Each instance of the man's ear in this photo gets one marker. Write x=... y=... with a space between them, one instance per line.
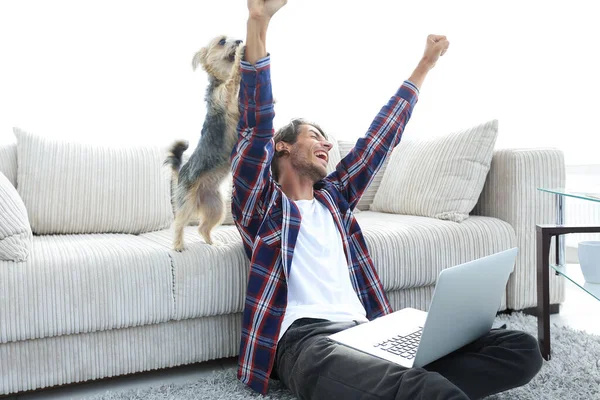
x=282 y=146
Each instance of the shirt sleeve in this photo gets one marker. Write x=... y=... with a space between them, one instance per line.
x=355 y=172
x=251 y=156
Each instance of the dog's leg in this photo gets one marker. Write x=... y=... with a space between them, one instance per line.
x=233 y=83
x=232 y=88
x=182 y=217
x=212 y=213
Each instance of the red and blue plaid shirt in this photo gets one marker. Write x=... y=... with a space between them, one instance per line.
x=269 y=222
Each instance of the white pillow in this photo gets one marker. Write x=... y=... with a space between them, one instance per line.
x=440 y=177
x=84 y=188
x=15 y=233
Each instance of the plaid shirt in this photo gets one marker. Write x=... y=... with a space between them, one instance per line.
x=269 y=222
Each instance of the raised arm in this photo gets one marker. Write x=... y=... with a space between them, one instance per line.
x=260 y=13
x=355 y=172
x=253 y=152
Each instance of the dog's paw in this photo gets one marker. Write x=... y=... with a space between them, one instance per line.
x=239 y=55
x=179 y=247
x=212 y=242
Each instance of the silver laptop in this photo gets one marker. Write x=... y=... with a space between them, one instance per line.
x=463 y=308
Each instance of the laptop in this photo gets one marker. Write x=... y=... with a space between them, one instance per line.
x=465 y=301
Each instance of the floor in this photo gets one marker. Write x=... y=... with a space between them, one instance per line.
x=575 y=312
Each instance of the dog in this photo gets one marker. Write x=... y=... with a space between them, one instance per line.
x=196 y=184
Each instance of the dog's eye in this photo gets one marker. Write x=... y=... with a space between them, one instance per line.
x=222 y=42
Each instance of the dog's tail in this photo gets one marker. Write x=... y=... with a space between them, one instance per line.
x=175 y=157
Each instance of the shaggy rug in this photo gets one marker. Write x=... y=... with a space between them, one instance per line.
x=573 y=373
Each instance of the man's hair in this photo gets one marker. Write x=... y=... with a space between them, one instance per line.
x=289 y=134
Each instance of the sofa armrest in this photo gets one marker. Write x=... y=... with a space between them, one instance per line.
x=510 y=194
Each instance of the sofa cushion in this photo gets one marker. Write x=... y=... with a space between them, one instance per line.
x=83 y=188
x=8 y=161
x=440 y=177
x=208 y=280
x=84 y=283
x=15 y=232
x=410 y=251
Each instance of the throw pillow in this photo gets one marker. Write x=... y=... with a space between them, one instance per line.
x=85 y=188
x=15 y=233
x=440 y=177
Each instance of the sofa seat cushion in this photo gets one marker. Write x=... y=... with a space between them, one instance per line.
x=410 y=251
x=208 y=280
x=84 y=283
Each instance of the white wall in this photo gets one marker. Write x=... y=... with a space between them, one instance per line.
x=114 y=71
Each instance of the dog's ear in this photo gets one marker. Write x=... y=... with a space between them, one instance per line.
x=199 y=57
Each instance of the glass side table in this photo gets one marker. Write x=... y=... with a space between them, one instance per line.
x=545 y=233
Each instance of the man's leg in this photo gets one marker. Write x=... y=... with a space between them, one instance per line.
x=501 y=360
x=314 y=367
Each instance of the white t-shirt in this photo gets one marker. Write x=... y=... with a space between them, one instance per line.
x=319 y=283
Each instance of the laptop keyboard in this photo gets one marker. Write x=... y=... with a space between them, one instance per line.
x=403 y=346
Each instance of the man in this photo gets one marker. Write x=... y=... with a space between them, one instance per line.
x=310 y=271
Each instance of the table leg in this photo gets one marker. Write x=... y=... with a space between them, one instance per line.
x=543 y=291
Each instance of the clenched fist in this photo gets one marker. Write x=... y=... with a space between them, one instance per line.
x=436 y=46
x=264 y=9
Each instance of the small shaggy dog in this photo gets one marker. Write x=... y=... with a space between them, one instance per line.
x=196 y=184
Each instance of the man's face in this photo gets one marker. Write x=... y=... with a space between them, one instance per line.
x=310 y=154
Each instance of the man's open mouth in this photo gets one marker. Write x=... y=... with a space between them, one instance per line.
x=322 y=155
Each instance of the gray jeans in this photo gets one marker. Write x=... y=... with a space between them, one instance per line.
x=313 y=366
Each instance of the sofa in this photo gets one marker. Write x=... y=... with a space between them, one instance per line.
x=90 y=287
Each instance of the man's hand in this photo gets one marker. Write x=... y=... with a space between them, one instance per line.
x=264 y=9
x=259 y=15
x=436 y=46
